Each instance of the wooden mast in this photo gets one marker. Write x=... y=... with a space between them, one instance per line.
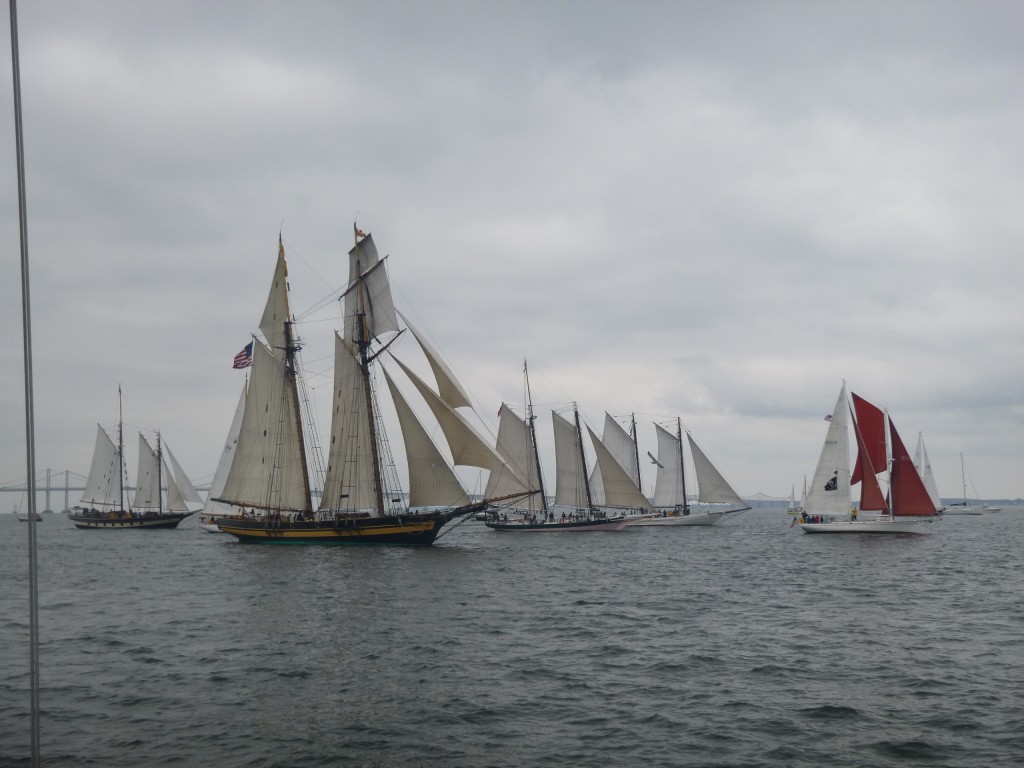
x=291 y=379
x=636 y=449
x=363 y=341
x=120 y=448
x=533 y=437
x=583 y=460
x=682 y=466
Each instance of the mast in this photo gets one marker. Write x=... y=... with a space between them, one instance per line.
x=533 y=437
x=291 y=379
x=120 y=449
x=363 y=341
x=159 y=476
x=636 y=449
x=583 y=460
x=682 y=466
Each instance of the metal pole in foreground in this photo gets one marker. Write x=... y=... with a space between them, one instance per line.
x=30 y=442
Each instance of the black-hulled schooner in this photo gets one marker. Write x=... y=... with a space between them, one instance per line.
x=164 y=496
x=362 y=499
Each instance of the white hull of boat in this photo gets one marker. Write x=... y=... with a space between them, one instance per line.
x=881 y=525
x=613 y=524
x=209 y=523
x=701 y=517
x=962 y=511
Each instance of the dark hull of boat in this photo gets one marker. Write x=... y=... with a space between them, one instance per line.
x=119 y=523
x=416 y=530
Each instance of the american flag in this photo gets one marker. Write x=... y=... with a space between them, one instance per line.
x=244 y=358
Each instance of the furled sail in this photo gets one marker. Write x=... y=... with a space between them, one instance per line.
x=711 y=486
x=619 y=488
x=103 y=487
x=829 y=492
x=668 y=482
x=267 y=471
x=350 y=483
x=432 y=483
x=570 y=473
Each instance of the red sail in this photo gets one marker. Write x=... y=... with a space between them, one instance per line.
x=871 y=421
x=909 y=496
x=871 y=498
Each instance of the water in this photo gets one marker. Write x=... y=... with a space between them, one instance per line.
x=747 y=644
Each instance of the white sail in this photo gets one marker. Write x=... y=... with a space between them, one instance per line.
x=515 y=446
x=432 y=483
x=619 y=488
x=103 y=487
x=467 y=446
x=621 y=446
x=372 y=302
x=147 y=484
x=275 y=313
x=448 y=387
x=829 y=492
x=924 y=468
x=267 y=470
x=668 y=482
x=182 y=485
x=350 y=483
x=712 y=488
x=570 y=473
x=227 y=455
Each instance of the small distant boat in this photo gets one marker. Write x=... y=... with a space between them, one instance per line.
x=24 y=516
x=103 y=502
x=965 y=507
x=829 y=505
x=718 y=498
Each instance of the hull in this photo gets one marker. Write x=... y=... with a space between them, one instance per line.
x=962 y=511
x=704 y=517
x=208 y=523
x=410 y=530
x=883 y=525
x=601 y=524
x=124 y=522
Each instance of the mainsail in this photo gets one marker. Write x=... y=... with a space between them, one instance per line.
x=570 y=469
x=668 y=482
x=924 y=468
x=909 y=496
x=620 y=490
x=103 y=486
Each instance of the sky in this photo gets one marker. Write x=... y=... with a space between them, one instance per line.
x=716 y=211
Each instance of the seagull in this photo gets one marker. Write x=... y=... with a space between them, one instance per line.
x=655 y=461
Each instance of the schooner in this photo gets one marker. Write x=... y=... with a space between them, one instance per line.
x=362 y=500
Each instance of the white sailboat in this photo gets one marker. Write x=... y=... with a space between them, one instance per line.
x=574 y=508
x=717 y=497
x=924 y=469
x=829 y=504
x=363 y=499
x=965 y=507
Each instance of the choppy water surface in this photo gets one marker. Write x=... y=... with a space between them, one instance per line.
x=748 y=644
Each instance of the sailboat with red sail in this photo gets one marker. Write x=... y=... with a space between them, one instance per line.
x=829 y=507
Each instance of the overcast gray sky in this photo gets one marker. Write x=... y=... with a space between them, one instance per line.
x=719 y=210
